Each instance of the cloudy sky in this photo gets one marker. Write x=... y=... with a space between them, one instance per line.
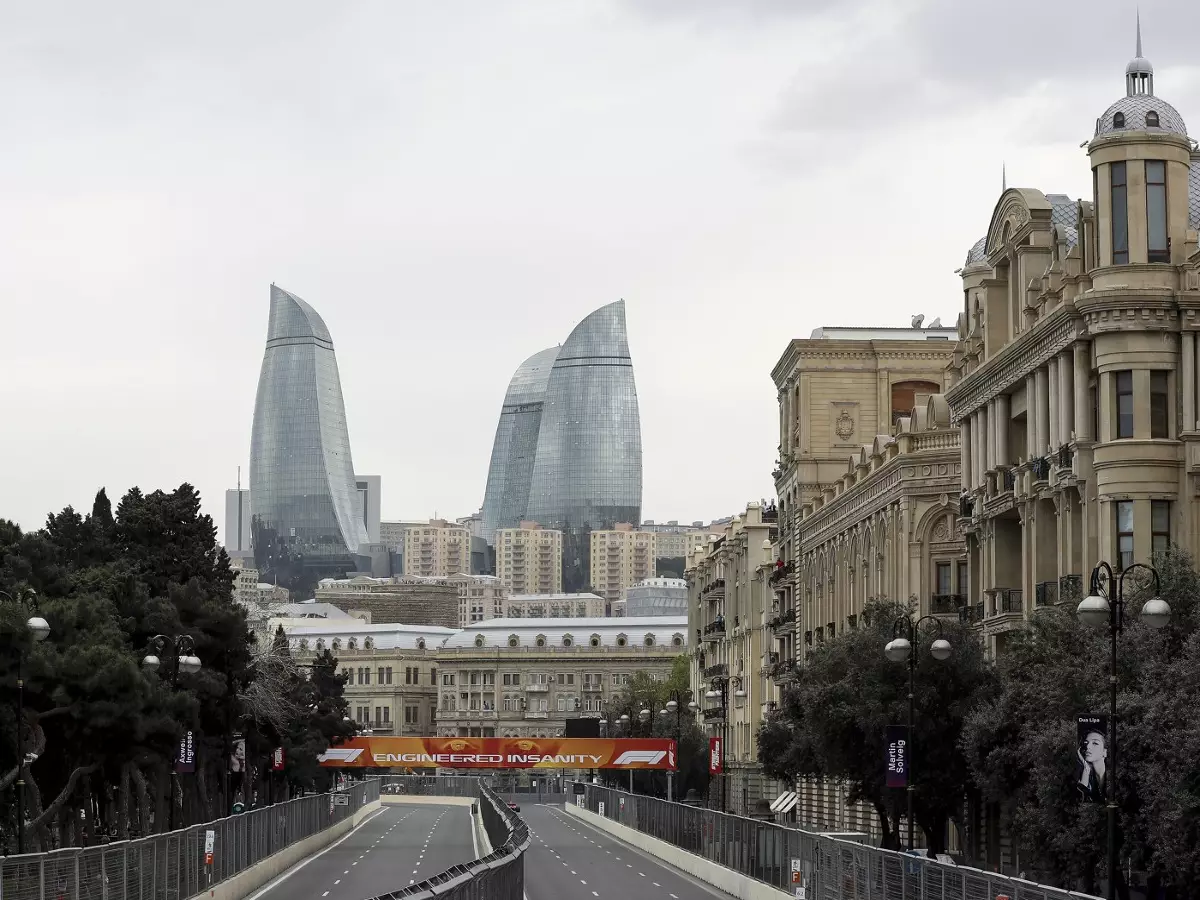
x=454 y=185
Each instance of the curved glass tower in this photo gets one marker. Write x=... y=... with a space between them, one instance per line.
x=303 y=494
x=587 y=473
x=506 y=497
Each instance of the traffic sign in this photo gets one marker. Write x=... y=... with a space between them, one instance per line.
x=341 y=799
x=210 y=843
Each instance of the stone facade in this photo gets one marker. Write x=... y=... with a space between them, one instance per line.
x=411 y=601
x=729 y=613
x=1074 y=377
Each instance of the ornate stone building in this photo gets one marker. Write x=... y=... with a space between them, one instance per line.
x=729 y=616
x=1074 y=375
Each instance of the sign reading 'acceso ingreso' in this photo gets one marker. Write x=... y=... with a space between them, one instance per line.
x=503 y=753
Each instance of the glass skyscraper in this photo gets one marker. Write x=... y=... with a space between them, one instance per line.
x=587 y=472
x=303 y=493
x=506 y=497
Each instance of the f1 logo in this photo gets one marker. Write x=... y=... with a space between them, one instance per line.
x=634 y=757
x=345 y=755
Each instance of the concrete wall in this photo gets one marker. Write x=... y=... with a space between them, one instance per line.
x=727 y=880
x=247 y=882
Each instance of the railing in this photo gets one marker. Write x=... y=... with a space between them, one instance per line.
x=782 y=572
x=172 y=865
x=1066 y=456
x=1008 y=601
x=1008 y=481
x=498 y=876
x=1040 y=468
x=946 y=604
x=830 y=869
x=1070 y=588
x=715 y=671
x=714 y=631
x=1045 y=593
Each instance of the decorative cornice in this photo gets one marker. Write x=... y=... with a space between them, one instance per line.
x=1034 y=348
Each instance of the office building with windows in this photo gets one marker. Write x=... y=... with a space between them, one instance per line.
x=526 y=677
x=303 y=492
x=529 y=559
x=621 y=556
x=1074 y=379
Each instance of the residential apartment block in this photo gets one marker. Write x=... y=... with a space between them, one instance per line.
x=621 y=556
x=480 y=597
x=529 y=559
x=436 y=549
x=555 y=606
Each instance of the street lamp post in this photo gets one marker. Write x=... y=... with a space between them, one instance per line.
x=720 y=691
x=1097 y=610
x=675 y=705
x=900 y=649
x=183 y=661
x=39 y=630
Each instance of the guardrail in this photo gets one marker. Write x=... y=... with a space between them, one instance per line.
x=174 y=865
x=498 y=876
x=827 y=867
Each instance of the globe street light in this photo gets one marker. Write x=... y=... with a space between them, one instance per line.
x=898 y=650
x=1097 y=610
x=39 y=630
x=182 y=661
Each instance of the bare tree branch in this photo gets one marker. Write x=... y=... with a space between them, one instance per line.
x=62 y=797
x=269 y=695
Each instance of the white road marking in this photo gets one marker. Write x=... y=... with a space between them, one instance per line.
x=339 y=881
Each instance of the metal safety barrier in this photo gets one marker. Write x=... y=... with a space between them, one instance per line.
x=826 y=868
x=178 y=864
x=498 y=876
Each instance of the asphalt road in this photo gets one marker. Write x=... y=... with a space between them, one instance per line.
x=569 y=860
x=397 y=847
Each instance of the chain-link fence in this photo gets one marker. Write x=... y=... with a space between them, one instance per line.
x=828 y=868
x=181 y=863
x=498 y=876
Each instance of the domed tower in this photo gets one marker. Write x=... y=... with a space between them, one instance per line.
x=1140 y=159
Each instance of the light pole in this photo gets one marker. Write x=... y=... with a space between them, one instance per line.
x=624 y=724
x=1096 y=610
x=900 y=649
x=182 y=661
x=675 y=705
x=39 y=630
x=720 y=691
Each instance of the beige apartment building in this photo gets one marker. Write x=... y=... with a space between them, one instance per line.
x=526 y=677
x=436 y=549
x=729 y=618
x=391 y=671
x=480 y=597
x=1074 y=378
x=412 y=601
x=555 y=606
x=529 y=559
x=620 y=557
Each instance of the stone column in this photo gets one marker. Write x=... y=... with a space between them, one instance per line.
x=1083 y=412
x=1053 y=437
x=979 y=447
x=989 y=426
x=1030 y=417
x=1042 y=409
x=1066 y=398
x=1188 y=341
x=1000 y=406
x=964 y=443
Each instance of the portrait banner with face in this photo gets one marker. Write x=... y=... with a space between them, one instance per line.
x=1091 y=754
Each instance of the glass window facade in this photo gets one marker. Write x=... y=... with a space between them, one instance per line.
x=303 y=493
x=587 y=472
x=506 y=497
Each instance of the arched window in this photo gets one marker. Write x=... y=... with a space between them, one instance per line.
x=594 y=640
x=541 y=640
x=648 y=640
x=514 y=641
x=479 y=640
x=1152 y=119
x=568 y=640
x=677 y=640
x=622 y=640
x=352 y=643
x=368 y=643
x=1119 y=120
x=337 y=643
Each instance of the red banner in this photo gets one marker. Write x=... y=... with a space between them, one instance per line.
x=277 y=760
x=502 y=753
x=716 y=756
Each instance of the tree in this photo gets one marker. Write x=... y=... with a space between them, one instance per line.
x=832 y=722
x=643 y=692
x=1021 y=745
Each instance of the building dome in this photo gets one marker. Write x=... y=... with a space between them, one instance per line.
x=977 y=253
x=1139 y=109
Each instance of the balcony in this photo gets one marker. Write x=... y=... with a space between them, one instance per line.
x=784 y=670
x=788 y=615
x=715 y=631
x=716 y=714
x=1008 y=481
x=1040 y=468
x=714 y=590
x=1006 y=610
x=781 y=572
x=1045 y=593
x=590 y=687
x=537 y=688
x=947 y=604
x=1066 y=459
x=534 y=714
x=715 y=671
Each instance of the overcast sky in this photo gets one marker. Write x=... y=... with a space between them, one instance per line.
x=454 y=185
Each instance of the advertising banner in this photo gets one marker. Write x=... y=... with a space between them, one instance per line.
x=897 y=756
x=716 y=756
x=277 y=760
x=185 y=759
x=1091 y=750
x=502 y=753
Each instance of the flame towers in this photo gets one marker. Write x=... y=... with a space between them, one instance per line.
x=586 y=472
x=303 y=494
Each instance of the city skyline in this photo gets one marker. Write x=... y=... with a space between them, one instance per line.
x=728 y=198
